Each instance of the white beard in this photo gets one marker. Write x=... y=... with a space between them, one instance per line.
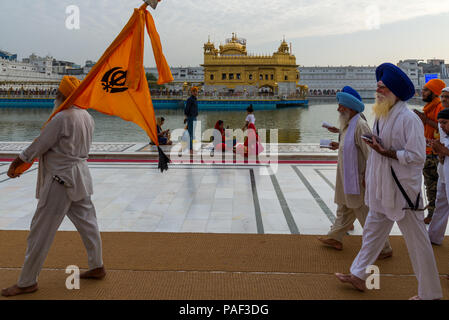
x=383 y=105
x=56 y=104
x=343 y=119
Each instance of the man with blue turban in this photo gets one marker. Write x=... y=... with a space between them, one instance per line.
x=352 y=156
x=393 y=185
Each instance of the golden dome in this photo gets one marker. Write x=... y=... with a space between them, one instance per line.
x=284 y=48
x=233 y=46
x=209 y=48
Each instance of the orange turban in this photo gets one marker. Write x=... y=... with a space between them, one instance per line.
x=68 y=85
x=194 y=89
x=436 y=86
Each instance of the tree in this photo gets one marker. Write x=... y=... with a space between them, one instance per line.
x=152 y=81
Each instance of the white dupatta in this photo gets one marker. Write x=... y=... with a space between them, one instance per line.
x=385 y=185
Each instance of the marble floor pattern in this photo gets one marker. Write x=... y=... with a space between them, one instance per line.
x=135 y=197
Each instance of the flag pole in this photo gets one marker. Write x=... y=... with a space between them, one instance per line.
x=152 y=3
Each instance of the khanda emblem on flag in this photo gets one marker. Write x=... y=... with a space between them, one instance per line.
x=114 y=80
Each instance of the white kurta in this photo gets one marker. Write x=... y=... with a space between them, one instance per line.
x=349 y=200
x=62 y=149
x=437 y=227
x=403 y=132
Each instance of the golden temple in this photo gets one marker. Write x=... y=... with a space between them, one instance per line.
x=231 y=69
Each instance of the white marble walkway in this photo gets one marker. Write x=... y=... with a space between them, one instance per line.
x=136 y=197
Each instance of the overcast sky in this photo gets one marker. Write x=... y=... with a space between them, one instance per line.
x=323 y=32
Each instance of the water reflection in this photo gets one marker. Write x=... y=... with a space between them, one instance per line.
x=294 y=124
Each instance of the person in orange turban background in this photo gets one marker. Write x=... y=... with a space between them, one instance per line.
x=431 y=95
x=64 y=187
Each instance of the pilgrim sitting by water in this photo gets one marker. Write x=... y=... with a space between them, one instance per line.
x=220 y=136
x=163 y=136
x=252 y=145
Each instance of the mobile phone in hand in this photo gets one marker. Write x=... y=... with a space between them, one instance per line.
x=368 y=137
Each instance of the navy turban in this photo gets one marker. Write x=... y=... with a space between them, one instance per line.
x=444 y=114
x=352 y=91
x=350 y=101
x=396 y=80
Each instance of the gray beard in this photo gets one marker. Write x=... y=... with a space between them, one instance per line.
x=56 y=105
x=343 y=119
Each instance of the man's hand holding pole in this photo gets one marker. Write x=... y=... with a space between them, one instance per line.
x=12 y=171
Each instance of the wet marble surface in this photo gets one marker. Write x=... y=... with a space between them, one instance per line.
x=136 y=197
x=283 y=148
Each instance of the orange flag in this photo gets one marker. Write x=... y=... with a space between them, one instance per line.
x=117 y=84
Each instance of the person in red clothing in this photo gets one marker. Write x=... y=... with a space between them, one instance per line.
x=430 y=94
x=220 y=143
x=252 y=145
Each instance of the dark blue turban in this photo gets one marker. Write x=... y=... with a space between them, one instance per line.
x=396 y=80
x=444 y=114
x=352 y=91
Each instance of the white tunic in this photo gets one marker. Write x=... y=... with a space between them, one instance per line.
x=403 y=132
x=63 y=149
x=251 y=118
x=444 y=139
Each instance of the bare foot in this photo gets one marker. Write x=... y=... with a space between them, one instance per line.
x=419 y=298
x=96 y=274
x=352 y=228
x=332 y=243
x=385 y=255
x=357 y=283
x=15 y=290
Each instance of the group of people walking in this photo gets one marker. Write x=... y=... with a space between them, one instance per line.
x=380 y=171
x=379 y=178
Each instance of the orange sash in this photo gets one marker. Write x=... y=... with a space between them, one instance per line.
x=431 y=111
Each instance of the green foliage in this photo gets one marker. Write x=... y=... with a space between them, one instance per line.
x=152 y=81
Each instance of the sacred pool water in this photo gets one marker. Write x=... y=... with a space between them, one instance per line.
x=295 y=125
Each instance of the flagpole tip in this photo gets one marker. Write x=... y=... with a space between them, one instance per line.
x=152 y=3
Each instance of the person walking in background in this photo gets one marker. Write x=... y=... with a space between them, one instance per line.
x=445 y=98
x=430 y=94
x=437 y=227
x=191 y=113
x=350 y=185
x=250 y=118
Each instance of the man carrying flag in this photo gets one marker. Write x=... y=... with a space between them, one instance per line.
x=64 y=187
x=117 y=86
